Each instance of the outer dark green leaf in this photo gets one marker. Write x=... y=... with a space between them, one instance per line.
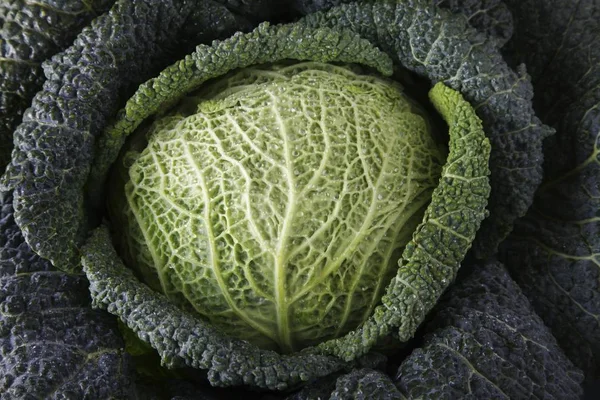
x=84 y=87
x=320 y=389
x=491 y=17
x=52 y=344
x=31 y=32
x=365 y=381
x=554 y=253
x=442 y=47
x=359 y=384
x=487 y=343
x=365 y=384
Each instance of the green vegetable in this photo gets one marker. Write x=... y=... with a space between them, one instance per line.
x=274 y=201
x=202 y=303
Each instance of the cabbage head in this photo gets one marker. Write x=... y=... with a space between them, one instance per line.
x=243 y=193
x=277 y=204
x=280 y=188
x=275 y=201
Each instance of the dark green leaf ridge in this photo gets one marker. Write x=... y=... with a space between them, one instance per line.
x=30 y=33
x=431 y=259
x=443 y=47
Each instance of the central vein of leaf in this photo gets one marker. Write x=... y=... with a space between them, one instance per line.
x=281 y=298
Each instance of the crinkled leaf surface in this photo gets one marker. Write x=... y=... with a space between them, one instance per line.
x=366 y=381
x=486 y=342
x=31 y=32
x=38 y=166
x=359 y=384
x=491 y=17
x=365 y=384
x=554 y=253
x=52 y=344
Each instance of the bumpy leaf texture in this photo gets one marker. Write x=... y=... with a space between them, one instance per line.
x=491 y=17
x=554 y=253
x=365 y=384
x=55 y=100
x=30 y=33
x=487 y=342
x=359 y=384
x=85 y=85
x=52 y=344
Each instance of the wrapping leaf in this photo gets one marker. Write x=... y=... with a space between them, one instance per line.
x=52 y=344
x=487 y=343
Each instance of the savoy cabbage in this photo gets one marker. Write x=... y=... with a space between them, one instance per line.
x=329 y=187
x=276 y=210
